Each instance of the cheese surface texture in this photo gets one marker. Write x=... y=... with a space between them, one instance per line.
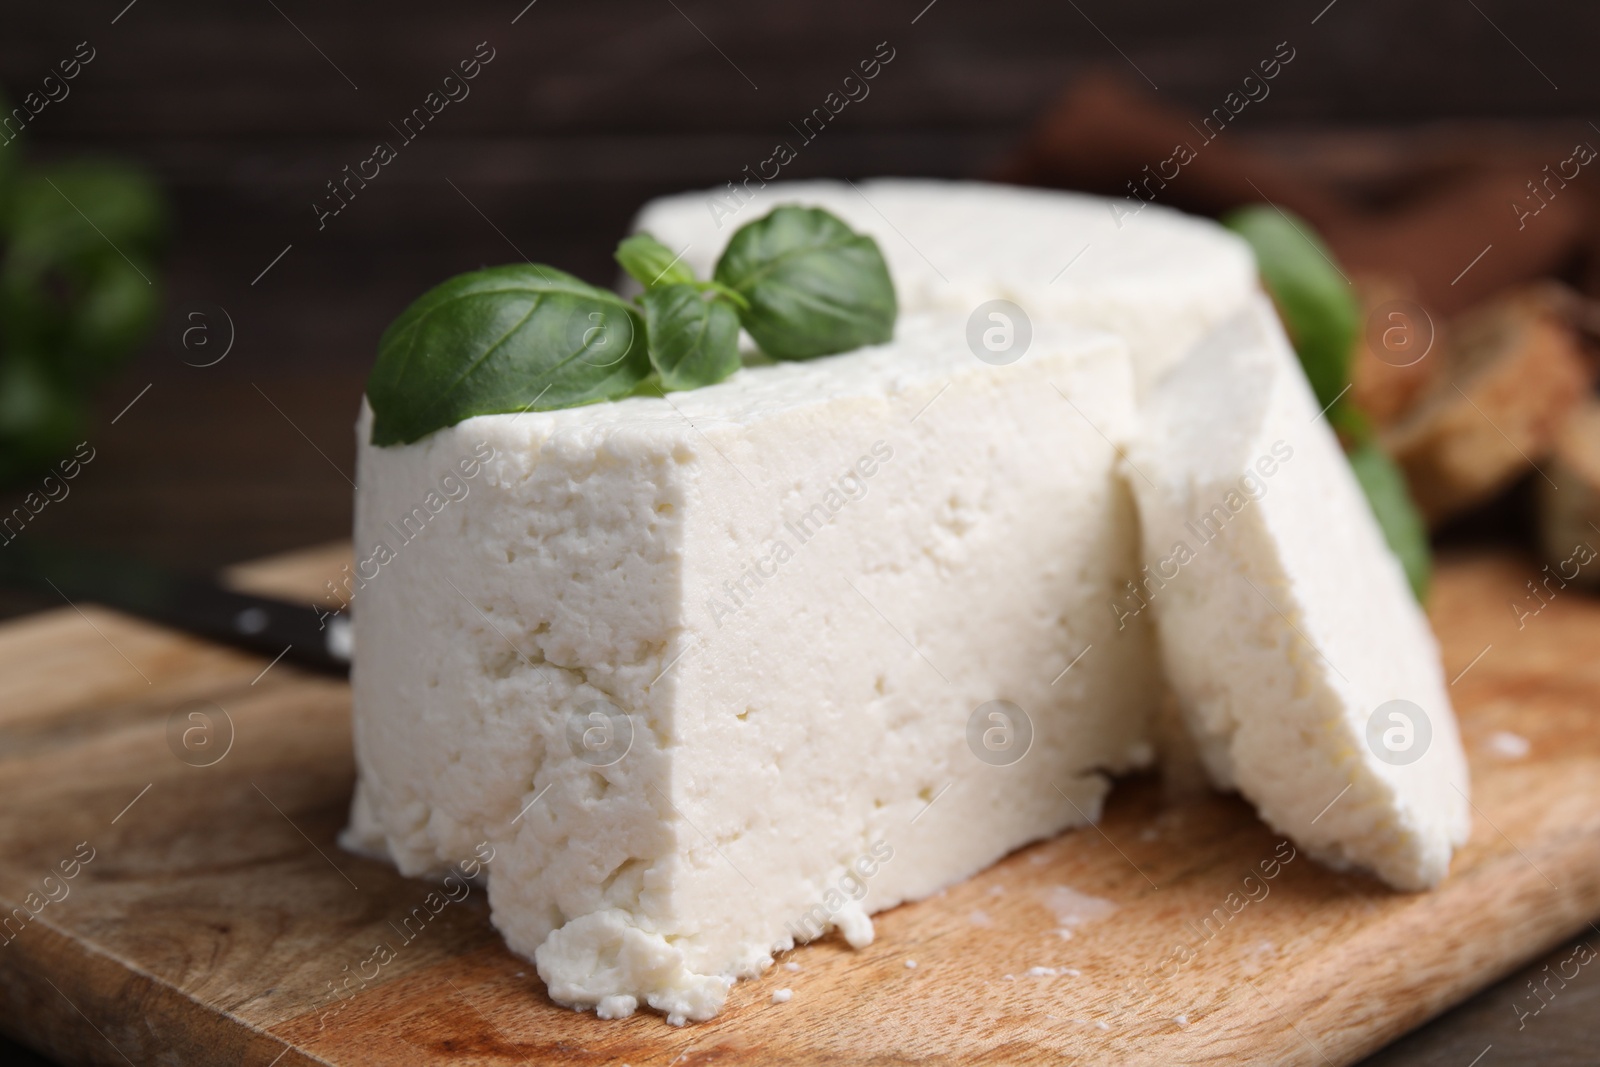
x=717 y=672
x=1307 y=673
x=1155 y=277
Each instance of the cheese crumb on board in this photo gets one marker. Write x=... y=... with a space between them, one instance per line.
x=1308 y=675
x=1073 y=908
x=708 y=672
x=1507 y=745
x=782 y=996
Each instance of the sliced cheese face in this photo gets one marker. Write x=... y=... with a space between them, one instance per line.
x=715 y=673
x=1306 y=671
x=1154 y=277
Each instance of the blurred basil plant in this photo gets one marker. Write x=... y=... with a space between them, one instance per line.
x=79 y=294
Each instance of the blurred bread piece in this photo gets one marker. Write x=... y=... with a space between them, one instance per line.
x=1461 y=242
x=1397 y=354
x=1569 y=511
x=1515 y=369
x=1453 y=212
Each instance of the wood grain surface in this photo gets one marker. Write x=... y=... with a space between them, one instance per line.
x=216 y=910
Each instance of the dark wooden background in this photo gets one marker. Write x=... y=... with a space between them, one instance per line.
x=245 y=109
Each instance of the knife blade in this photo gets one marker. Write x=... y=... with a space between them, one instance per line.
x=196 y=604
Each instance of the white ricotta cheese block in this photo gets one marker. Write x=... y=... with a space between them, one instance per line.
x=1155 y=277
x=715 y=673
x=1307 y=672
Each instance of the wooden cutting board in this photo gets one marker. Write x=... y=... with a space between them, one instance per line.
x=217 y=912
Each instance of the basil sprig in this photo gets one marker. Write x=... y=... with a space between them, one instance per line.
x=802 y=283
x=692 y=326
x=526 y=337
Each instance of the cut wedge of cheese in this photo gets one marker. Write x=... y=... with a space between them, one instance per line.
x=1307 y=673
x=1155 y=277
x=714 y=673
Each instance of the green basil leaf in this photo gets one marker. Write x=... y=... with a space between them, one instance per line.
x=1351 y=424
x=1397 y=515
x=694 y=341
x=815 y=286
x=1318 y=307
x=522 y=337
x=651 y=263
